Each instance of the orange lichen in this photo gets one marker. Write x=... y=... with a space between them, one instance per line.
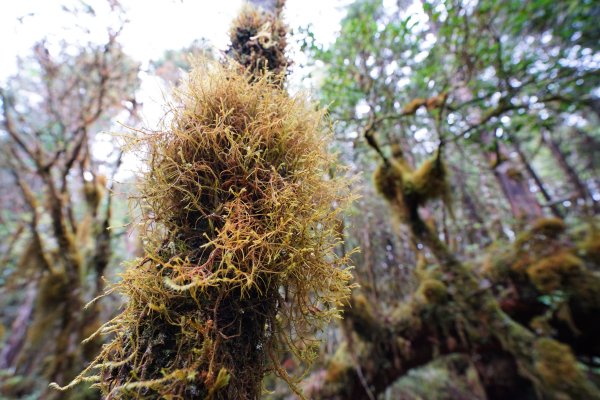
x=413 y=106
x=436 y=101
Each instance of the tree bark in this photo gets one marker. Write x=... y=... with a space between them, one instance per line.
x=569 y=171
x=536 y=178
x=18 y=329
x=523 y=203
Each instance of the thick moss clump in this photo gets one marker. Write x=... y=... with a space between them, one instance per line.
x=240 y=263
x=407 y=189
x=389 y=179
x=550 y=227
x=258 y=41
x=558 y=367
x=590 y=247
x=432 y=291
x=556 y=271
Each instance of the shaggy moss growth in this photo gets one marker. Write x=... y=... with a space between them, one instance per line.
x=53 y=293
x=556 y=271
x=590 y=247
x=258 y=41
x=542 y=240
x=549 y=227
x=339 y=364
x=407 y=189
x=430 y=181
x=362 y=317
x=432 y=291
x=389 y=179
x=558 y=367
x=240 y=264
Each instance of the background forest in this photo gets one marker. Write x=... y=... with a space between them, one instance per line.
x=466 y=133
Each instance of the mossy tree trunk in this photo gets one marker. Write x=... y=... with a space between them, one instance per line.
x=458 y=313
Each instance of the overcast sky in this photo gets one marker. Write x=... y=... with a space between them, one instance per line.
x=154 y=26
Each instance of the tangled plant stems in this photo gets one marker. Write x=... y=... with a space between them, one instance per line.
x=240 y=264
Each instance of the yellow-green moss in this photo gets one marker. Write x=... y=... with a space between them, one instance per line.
x=407 y=189
x=362 y=317
x=93 y=192
x=407 y=315
x=556 y=364
x=432 y=291
x=389 y=179
x=429 y=180
x=53 y=290
x=541 y=325
x=555 y=271
x=498 y=262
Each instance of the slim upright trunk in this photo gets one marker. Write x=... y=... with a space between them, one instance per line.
x=569 y=171
x=536 y=178
x=523 y=204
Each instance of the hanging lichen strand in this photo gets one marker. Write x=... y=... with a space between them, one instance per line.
x=241 y=232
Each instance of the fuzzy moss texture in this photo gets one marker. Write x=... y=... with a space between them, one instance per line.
x=240 y=263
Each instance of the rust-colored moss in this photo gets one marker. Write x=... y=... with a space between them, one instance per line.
x=556 y=364
x=590 y=247
x=258 y=41
x=436 y=101
x=550 y=227
x=237 y=201
x=556 y=271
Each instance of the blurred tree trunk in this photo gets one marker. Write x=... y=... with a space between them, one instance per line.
x=536 y=178
x=18 y=329
x=70 y=208
x=523 y=204
x=580 y=188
